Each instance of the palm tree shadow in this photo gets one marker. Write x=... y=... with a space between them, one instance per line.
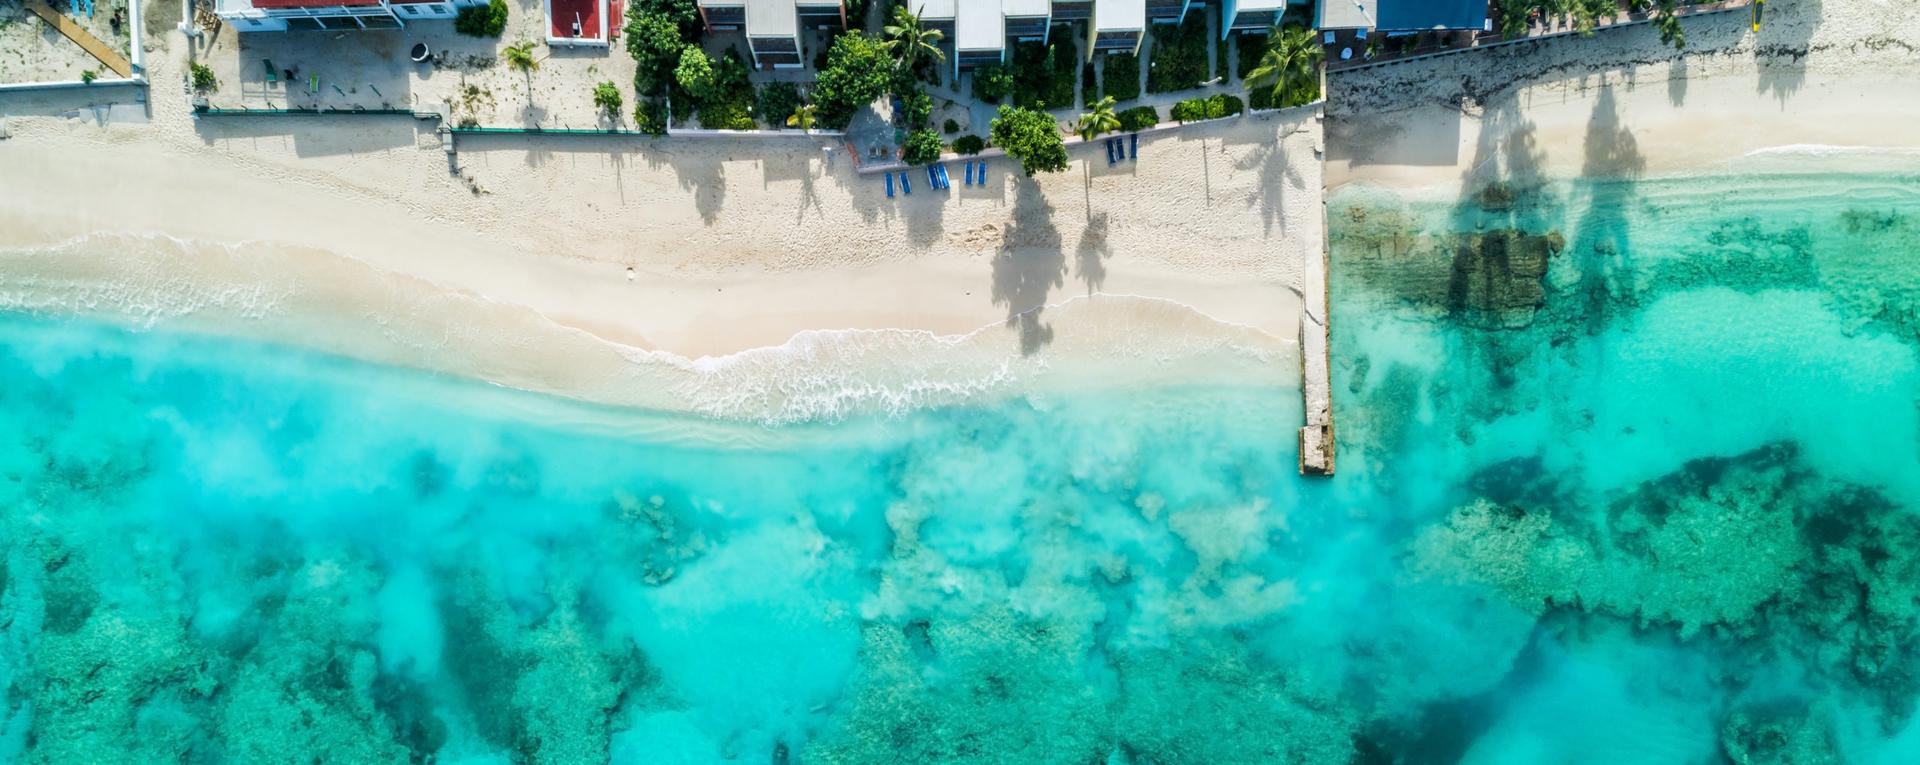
x=1090 y=258
x=1029 y=266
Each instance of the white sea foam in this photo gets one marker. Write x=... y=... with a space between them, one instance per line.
x=339 y=305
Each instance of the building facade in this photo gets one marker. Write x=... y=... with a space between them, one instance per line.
x=333 y=15
x=773 y=27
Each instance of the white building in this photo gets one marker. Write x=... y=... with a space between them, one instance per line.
x=773 y=27
x=1118 y=27
x=1252 y=15
x=321 y=15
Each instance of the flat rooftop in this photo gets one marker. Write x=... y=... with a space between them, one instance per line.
x=772 y=18
x=1117 y=15
x=561 y=14
x=1026 y=7
x=980 y=26
x=1348 y=14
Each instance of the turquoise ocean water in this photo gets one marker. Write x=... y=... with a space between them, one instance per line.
x=1629 y=474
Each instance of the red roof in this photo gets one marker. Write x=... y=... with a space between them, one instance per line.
x=310 y=3
x=562 y=13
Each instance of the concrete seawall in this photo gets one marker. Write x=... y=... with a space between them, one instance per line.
x=1316 y=386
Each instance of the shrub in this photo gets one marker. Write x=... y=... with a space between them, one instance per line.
x=203 y=79
x=969 y=144
x=87 y=77
x=858 y=70
x=1122 y=74
x=1138 y=118
x=1210 y=108
x=606 y=96
x=777 y=102
x=950 y=126
x=916 y=108
x=1179 y=58
x=1251 y=48
x=1032 y=137
x=650 y=116
x=482 y=21
x=1089 y=86
x=727 y=115
x=992 y=82
x=1224 y=105
x=922 y=147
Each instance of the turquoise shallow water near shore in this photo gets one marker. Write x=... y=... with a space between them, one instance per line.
x=1628 y=474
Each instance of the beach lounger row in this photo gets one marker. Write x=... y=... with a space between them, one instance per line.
x=938 y=178
x=1117 y=148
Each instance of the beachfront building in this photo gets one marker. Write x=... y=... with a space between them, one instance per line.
x=773 y=27
x=979 y=36
x=1334 y=15
x=1118 y=27
x=1252 y=15
x=580 y=23
x=1072 y=10
x=332 y=15
x=1169 y=11
x=1027 y=19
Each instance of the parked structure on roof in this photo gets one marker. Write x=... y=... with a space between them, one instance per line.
x=333 y=15
x=773 y=27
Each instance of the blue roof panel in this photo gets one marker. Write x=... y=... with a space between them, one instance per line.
x=1401 y=15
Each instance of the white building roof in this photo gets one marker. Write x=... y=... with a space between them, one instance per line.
x=1026 y=7
x=1117 y=15
x=1245 y=6
x=979 y=27
x=936 y=10
x=1348 y=14
x=772 y=18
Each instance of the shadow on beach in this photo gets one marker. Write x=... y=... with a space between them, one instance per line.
x=1029 y=266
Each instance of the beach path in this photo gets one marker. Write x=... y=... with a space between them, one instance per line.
x=93 y=45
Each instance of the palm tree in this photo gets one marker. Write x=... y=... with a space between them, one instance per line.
x=907 y=39
x=1100 y=120
x=803 y=117
x=1290 y=67
x=520 y=58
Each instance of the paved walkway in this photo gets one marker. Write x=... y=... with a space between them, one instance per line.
x=82 y=37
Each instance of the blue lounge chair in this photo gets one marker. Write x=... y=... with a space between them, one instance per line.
x=933 y=178
x=969 y=172
x=1135 y=139
x=1110 y=159
x=889 y=178
x=906 y=184
x=981 y=177
x=946 y=178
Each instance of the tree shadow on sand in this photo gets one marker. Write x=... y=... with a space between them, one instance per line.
x=1029 y=266
x=1090 y=257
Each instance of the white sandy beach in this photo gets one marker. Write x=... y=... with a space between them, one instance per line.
x=352 y=235
x=1833 y=73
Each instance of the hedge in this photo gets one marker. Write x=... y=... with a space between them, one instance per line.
x=482 y=21
x=1122 y=74
x=1138 y=118
x=1209 y=108
x=969 y=144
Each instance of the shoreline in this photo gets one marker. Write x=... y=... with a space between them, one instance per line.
x=1622 y=104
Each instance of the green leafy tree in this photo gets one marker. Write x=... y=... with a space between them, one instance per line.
x=1290 y=69
x=922 y=147
x=606 y=96
x=969 y=144
x=489 y=20
x=992 y=82
x=650 y=116
x=88 y=76
x=695 y=74
x=907 y=39
x=1100 y=120
x=654 y=40
x=858 y=71
x=1032 y=137
x=1666 y=19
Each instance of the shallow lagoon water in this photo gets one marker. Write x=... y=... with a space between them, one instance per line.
x=1628 y=474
